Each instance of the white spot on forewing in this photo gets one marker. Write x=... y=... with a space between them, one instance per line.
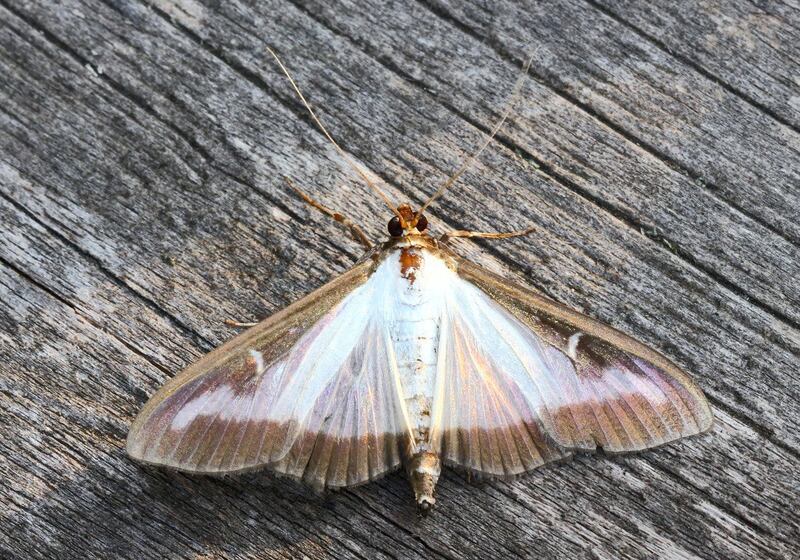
x=572 y=345
x=258 y=357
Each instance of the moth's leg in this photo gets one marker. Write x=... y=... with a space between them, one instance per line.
x=487 y=235
x=238 y=325
x=357 y=233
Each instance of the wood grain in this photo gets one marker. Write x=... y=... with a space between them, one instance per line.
x=142 y=150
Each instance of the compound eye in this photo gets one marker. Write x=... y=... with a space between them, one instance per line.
x=395 y=227
x=422 y=223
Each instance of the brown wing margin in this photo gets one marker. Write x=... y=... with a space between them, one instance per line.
x=213 y=446
x=603 y=389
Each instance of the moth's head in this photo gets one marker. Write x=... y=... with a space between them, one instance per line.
x=407 y=223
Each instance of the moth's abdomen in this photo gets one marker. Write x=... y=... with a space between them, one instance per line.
x=423 y=471
x=416 y=340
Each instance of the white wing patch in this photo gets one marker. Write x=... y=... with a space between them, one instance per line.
x=258 y=358
x=572 y=345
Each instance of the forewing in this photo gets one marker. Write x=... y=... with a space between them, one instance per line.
x=523 y=381
x=357 y=428
x=300 y=393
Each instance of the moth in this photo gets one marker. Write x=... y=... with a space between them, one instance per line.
x=415 y=358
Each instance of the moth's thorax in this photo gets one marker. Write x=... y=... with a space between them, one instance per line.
x=420 y=244
x=415 y=265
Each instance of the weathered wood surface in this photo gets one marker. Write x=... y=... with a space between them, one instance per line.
x=142 y=146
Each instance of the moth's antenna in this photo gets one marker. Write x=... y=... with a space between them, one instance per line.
x=467 y=162
x=353 y=165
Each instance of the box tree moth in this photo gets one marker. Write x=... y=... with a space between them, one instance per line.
x=415 y=358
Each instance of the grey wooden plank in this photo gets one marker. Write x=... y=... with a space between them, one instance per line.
x=632 y=85
x=393 y=118
x=74 y=491
x=643 y=196
x=88 y=480
x=561 y=266
x=145 y=192
x=752 y=48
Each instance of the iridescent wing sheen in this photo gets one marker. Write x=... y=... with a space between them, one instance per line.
x=305 y=393
x=523 y=381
